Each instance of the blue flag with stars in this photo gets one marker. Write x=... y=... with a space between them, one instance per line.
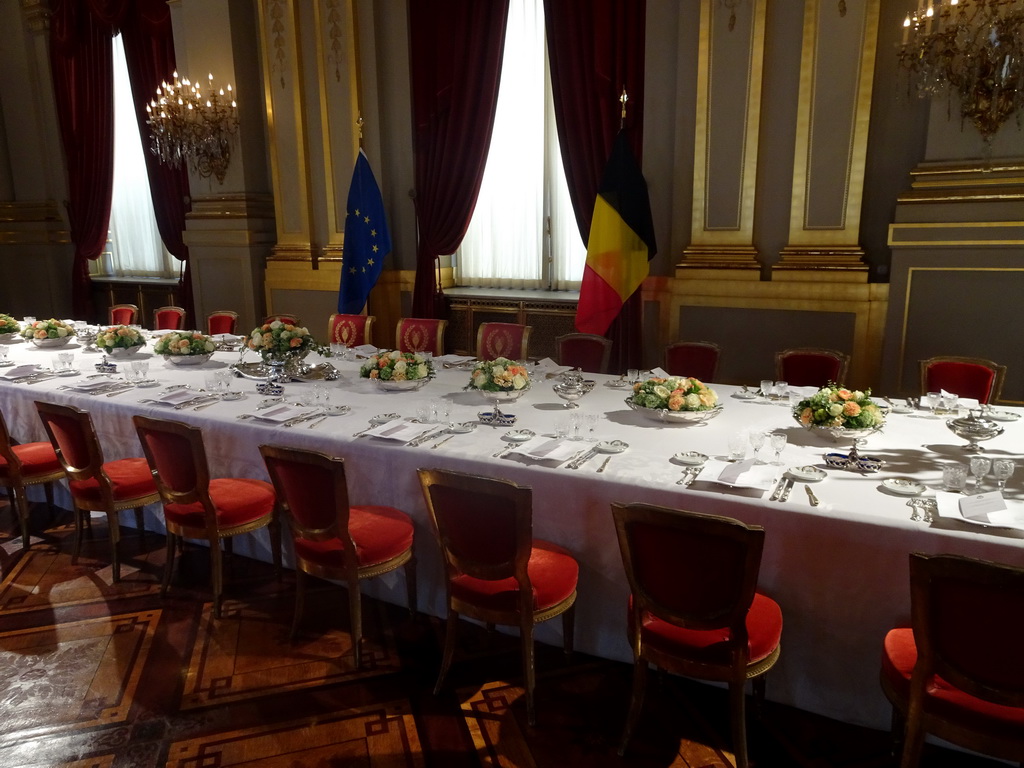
x=367 y=241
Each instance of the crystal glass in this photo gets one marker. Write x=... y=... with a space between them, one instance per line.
x=633 y=375
x=932 y=401
x=979 y=468
x=3 y=353
x=757 y=442
x=1002 y=470
x=954 y=478
x=738 y=446
x=766 y=388
x=780 y=391
x=778 y=442
x=141 y=368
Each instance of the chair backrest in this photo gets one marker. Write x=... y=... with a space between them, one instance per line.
x=123 y=314
x=586 y=351
x=414 y=334
x=811 y=367
x=494 y=340
x=284 y=318
x=221 y=321
x=177 y=457
x=694 y=570
x=73 y=437
x=973 y=377
x=484 y=525
x=350 y=330
x=312 y=493
x=697 y=359
x=966 y=615
x=168 y=318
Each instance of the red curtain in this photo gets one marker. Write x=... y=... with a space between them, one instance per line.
x=83 y=86
x=80 y=33
x=596 y=47
x=455 y=48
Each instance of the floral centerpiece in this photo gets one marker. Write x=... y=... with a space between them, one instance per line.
x=48 y=333
x=499 y=375
x=680 y=399
x=184 y=343
x=8 y=324
x=396 y=366
x=278 y=339
x=119 y=340
x=835 y=406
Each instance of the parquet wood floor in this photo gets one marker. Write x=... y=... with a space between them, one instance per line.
x=98 y=675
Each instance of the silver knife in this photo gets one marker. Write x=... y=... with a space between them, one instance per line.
x=441 y=442
x=581 y=460
x=693 y=475
x=778 y=489
x=424 y=437
x=788 y=488
x=811 y=497
x=604 y=464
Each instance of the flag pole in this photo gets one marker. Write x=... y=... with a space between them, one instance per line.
x=359 y=125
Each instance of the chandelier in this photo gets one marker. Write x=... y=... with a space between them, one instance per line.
x=972 y=50
x=186 y=125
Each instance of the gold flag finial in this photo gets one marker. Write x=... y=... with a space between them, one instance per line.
x=359 y=124
x=623 y=98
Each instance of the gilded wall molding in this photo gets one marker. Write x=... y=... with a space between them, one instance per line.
x=37 y=15
x=32 y=223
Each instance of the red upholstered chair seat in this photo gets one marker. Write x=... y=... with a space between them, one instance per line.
x=696 y=359
x=553 y=574
x=223 y=321
x=168 y=318
x=808 y=367
x=899 y=655
x=764 y=629
x=236 y=501
x=585 y=351
x=129 y=479
x=35 y=458
x=380 y=534
x=123 y=314
x=961 y=378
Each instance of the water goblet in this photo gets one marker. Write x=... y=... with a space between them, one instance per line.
x=29 y=319
x=1002 y=470
x=766 y=388
x=738 y=446
x=954 y=478
x=141 y=369
x=442 y=411
x=3 y=353
x=591 y=420
x=67 y=360
x=979 y=468
x=932 y=401
x=563 y=425
x=778 y=441
x=633 y=375
x=757 y=439
x=780 y=391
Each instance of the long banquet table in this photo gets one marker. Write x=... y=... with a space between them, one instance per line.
x=839 y=571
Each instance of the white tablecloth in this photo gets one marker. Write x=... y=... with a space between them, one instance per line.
x=839 y=571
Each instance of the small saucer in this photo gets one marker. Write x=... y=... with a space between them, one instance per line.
x=904 y=486
x=6 y=363
x=611 y=446
x=518 y=435
x=1002 y=415
x=384 y=418
x=463 y=428
x=617 y=383
x=692 y=458
x=902 y=409
x=746 y=395
x=231 y=395
x=807 y=474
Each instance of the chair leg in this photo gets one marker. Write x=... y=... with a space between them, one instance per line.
x=529 y=668
x=410 y=587
x=19 y=506
x=217 y=573
x=48 y=488
x=300 y=601
x=636 y=703
x=77 y=548
x=569 y=630
x=355 y=618
x=449 y=648
x=913 y=741
x=115 y=539
x=172 y=541
x=759 y=686
x=737 y=707
x=275 y=547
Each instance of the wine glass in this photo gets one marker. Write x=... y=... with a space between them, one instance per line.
x=979 y=468
x=757 y=442
x=778 y=441
x=766 y=388
x=1002 y=469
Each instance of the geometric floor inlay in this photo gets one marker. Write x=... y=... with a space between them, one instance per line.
x=72 y=675
x=379 y=735
x=247 y=652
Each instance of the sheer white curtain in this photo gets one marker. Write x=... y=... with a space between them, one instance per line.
x=135 y=245
x=523 y=186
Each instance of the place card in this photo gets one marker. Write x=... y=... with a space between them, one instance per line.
x=402 y=431
x=981 y=506
x=546 y=449
x=950 y=507
x=740 y=474
x=282 y=413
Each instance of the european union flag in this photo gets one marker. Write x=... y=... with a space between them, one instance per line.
x=367 y=241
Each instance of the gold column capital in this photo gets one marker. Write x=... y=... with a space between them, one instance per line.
x=37 y=15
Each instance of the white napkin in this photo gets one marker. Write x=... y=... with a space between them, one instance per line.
x=740 y=474
x=805 y=392
x=546 y=449
x=91 y=386
x=549 y=367
x=402 y=431
x=177 y=396
x=956 y=506
x=659 y=373
x=227 y=338
x=454 y=359
x=20 y=371
x=281 y=413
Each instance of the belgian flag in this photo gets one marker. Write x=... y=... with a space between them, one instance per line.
x=621 y=241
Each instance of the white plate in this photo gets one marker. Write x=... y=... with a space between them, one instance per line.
x=692 y=458
x=902 y=409
x=384 y=418
x=463 y=428
x=617 y=383
x=807 y=474
x=904 y=486
x=5 y=363
x=518 y=435
x=1002 y=415
x=72 y=372
x=746 y=395
x=611 y=446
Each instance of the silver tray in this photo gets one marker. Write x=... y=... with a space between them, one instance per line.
x=301 y=372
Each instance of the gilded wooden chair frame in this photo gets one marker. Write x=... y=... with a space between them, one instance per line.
x=351 y=572
x=17 y=482
x=524 y=616
x=132 y=320
x=49 y=413
x=587 y=338
x=486 y=351
x=998 y=371
x=351 y=324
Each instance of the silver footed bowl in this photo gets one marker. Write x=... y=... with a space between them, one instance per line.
x=974 y=428
x=840 y=434
x=675 y=417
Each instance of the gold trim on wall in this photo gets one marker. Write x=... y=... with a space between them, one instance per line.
x=973 y=227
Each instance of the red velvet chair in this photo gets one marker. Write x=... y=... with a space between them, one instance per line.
x=495 y=571
x=494 y=340
x=123 y=314
x=698 y=359
x=221 y=321
x=585 y=351
x=958 y=672
x=414 y=334
x=973 y=377
x=694 y=608
x=96 y=485
x=168 y=319
x=811 y=367
x=198 y=507
x=284 y=318
x=350 y=330
x=24 y=465
x=333 y=539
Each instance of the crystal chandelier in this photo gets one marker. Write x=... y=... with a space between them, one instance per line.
x=970 y=49
x=186 y=125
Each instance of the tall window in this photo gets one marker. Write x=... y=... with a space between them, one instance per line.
x=135 y=247
x=523 y=233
